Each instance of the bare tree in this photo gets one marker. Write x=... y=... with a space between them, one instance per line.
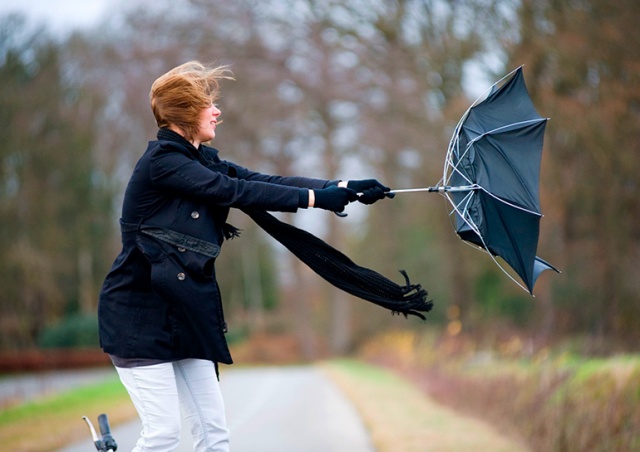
x=582 y=59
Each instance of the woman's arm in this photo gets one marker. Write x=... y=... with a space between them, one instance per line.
x=173 y=169
x=291 y=181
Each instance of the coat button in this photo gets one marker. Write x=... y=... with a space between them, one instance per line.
x=182 y=249
x=181 y=276
x=195 y=214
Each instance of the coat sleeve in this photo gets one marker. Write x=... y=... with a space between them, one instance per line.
x=173 y=169
x=291 y=181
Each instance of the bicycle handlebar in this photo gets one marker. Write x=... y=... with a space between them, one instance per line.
x=106 y=443
x=107 y=439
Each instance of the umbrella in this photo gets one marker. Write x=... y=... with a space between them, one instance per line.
x=491 y=177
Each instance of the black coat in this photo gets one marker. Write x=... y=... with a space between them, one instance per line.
x=160 y=299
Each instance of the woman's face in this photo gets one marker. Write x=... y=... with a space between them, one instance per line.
x=207 y=125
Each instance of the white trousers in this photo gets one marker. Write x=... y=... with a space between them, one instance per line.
x=160 y=391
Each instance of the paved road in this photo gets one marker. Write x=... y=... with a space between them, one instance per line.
x=283 y=409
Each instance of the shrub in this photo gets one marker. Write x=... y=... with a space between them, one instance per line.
x=552 y=404
x=75 y=331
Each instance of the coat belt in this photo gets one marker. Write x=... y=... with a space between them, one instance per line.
x=174 y=238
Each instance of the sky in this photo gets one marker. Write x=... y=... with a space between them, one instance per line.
x=61 y=16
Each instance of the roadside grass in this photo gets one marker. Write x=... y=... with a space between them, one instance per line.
x=552 y=399
x=401 y=418
x=52 y=422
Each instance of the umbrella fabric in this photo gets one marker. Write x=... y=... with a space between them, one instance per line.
x=497 y=151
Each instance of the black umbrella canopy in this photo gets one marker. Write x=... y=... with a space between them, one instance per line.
x=495 y=155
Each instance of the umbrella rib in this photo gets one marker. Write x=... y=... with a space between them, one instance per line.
x=454 y=143
x=503 y=269
x=455 y=140
x=509 y=203
x=476 y=230
x=497 y=129
x=454 y=167
x=462 y=212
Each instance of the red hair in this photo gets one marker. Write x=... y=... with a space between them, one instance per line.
x=178 y=97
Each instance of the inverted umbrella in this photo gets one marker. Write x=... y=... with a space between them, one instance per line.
x=491 y=177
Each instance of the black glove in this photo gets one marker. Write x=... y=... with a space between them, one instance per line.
x=371 y=190
x=334 y=198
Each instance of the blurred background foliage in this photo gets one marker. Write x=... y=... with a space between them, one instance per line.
x=329 y=89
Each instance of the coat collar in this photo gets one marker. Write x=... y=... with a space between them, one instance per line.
x=206 y=152
x=165 y=134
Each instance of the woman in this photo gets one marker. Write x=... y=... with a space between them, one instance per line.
x=160 y=313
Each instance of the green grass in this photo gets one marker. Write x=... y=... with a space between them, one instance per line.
x=58 y=418
x=585 y=368
x=66 y=402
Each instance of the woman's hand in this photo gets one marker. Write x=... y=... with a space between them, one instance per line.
x=332 y=198
x=369 y=190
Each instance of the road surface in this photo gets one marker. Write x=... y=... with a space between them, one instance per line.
x=283 y=409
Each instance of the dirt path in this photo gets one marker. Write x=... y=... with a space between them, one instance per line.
x=400 y=418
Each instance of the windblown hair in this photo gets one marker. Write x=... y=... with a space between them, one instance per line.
x=178 y=97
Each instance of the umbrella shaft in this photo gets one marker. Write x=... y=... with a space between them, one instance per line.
x=438 y=189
